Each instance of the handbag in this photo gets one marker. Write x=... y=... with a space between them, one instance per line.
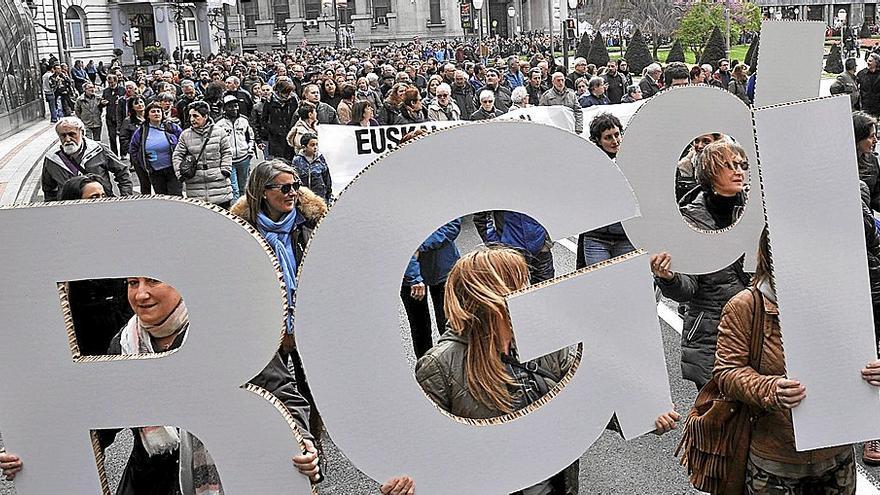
x=190 y=164
x=718 y=430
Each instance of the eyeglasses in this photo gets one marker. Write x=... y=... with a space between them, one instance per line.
x=440 y=95
x=744 y=166
x=285 y=188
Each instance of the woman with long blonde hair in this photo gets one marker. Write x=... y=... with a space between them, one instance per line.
x=474 y=371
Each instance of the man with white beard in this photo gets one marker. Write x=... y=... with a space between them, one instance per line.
x=79 y=155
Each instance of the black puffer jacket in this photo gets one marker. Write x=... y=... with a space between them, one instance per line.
x=869 y=173
x=705 y=296
x=872 y=243
x=276 y=123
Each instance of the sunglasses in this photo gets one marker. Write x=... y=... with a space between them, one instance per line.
x=744 y=166
x=285 y=188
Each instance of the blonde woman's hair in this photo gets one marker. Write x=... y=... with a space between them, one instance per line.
x=476 y=310
x=715 y=157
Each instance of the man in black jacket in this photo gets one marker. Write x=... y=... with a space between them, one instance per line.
x=869 y=85
x=189 y=95
x=110 y=97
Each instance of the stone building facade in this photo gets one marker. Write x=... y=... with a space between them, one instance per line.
x=858 y=11
x=364 y=23
x=92 y=29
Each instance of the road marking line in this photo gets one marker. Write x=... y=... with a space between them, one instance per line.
x=567 y=244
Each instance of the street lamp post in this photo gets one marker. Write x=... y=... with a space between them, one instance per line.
x=841 y=16
x=511 y=12
x=478 y=4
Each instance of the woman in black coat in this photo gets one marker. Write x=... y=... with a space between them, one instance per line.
x=722 y=176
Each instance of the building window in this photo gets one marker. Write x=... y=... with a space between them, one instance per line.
x=381 y=8
x=251 y=15
x=436 y=17
x=312 y=9
x=282 y=13
x=189 y=29
x=74 y=27
x=346 y=10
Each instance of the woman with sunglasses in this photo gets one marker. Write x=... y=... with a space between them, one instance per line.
x=722 y=172
x=276 y=204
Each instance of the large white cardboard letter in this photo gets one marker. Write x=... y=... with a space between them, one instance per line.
x=51 y=402
x=353 y=357
x=820 y=267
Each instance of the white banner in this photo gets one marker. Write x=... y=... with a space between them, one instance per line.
x=349 y=149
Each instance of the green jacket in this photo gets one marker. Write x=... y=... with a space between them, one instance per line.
x=441 y=373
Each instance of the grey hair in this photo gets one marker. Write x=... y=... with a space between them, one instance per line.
x=130 y=83
x=519 y=94
x=187 y=82
x=875 y=56
x=74 y=121
x=653 y=68
x=487 y=94
x=235 y=80
x=372 y=77
x=445 y=87
x=260 y=176
x=595 y=82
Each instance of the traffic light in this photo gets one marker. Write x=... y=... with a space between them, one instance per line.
x=570 y=29
x=135 y=34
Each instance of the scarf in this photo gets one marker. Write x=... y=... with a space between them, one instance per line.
x=198 y=474
x=277 y=234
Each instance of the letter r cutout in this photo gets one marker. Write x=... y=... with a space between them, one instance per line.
x=51 y=402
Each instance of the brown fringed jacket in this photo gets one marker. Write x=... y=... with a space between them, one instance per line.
x=773 y=433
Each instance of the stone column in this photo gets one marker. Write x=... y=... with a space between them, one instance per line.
x=166 y=28
x=207 y=45
x=120 y=26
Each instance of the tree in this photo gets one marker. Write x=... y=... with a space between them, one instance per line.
x=598 y=51
x=834 y=64
x=676 y=53
x=703 y=17
x=752 y=53
x=865 y=31
x=583 y=48
x=714 y=49
x=638 y=56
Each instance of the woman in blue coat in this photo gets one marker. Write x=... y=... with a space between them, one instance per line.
x=427 y=272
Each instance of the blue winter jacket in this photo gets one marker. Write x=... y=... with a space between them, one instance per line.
x=520 y=231
x=436 y=256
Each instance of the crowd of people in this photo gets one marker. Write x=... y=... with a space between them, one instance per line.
x=243 y=133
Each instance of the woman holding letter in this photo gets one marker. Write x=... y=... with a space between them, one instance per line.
x=774 y=466
x=474 y=371
x=722 y=174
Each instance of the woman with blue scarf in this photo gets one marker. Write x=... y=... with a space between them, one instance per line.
x=283 y=211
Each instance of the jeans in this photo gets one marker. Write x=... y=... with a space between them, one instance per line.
x=52 y=101
x=420 y=318
x=165 y=182
x=596 y=250
x=94 y=133
x=239 y=178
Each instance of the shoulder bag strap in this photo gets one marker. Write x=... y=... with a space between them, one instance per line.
x=756 y=351
x=208 y=133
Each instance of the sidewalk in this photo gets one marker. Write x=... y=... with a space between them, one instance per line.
x=21 y=155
